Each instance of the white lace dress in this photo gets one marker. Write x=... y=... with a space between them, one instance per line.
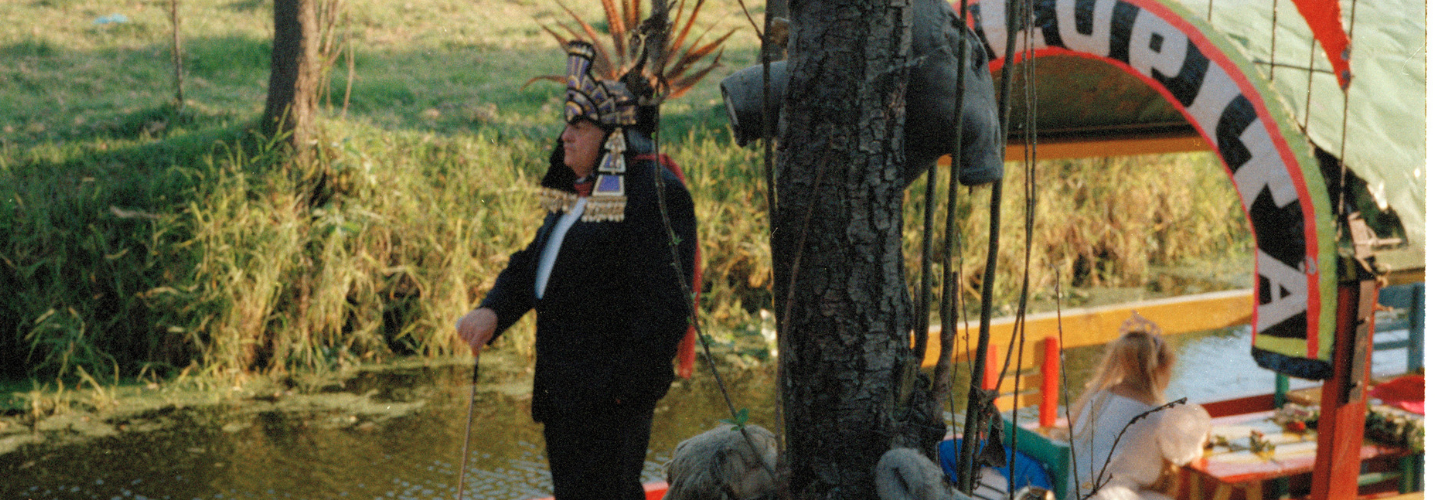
x=1176 y=435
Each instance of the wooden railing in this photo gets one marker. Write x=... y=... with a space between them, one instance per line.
x=1039 y=363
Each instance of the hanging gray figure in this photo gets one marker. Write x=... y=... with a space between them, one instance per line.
x=929 y=99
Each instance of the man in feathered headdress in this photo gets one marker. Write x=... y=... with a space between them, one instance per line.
x=604 y=276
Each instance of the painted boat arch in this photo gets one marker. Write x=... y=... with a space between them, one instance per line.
x=1224 y=98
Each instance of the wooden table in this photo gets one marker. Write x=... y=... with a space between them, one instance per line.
x=1247 y=471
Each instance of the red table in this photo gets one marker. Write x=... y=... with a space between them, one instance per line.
x=1246 y=471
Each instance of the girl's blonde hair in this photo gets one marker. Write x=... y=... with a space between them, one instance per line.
x=1139 y=355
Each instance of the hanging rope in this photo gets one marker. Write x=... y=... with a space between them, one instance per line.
x=922 y=295
x=1309 y=89
x=657 y=31
x=1274 y=25
x=1340 y=210
x=958 y=308
x=1031 y=84
x=1027 y=65
x=1065 y=384
x=950 y=297
x=974 y=403
x=944 y=365
x=951 y=301
x=767 y=145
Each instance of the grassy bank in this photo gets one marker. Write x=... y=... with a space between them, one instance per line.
x=143 y=239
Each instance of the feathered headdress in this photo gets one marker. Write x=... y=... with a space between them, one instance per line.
x=667 y=44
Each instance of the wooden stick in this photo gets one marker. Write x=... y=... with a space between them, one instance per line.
x=469 y=418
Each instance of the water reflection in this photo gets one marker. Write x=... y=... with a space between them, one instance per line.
x=1210 y=366
x=234 y=451
x=1215 y=365
x=355 y=449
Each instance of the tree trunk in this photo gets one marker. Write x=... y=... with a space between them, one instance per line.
x=840 y=281
x=294 y=74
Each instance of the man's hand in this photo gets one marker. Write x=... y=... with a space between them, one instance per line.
x=476 y=328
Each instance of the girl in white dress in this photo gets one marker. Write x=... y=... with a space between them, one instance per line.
x=1129 y=381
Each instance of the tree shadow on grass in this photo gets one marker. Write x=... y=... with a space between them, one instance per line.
x=129 y=93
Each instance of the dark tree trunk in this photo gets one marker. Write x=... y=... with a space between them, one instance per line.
x=294 y=74
x=839 y=189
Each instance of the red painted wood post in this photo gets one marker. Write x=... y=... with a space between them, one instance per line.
x=992 y=374
x=1050 y=383
x=1342 y=414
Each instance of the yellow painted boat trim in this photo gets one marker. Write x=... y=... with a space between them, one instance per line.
x=1098 y=325
x=1053 y=149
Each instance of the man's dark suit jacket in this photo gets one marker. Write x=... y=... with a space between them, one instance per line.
x=614 y=309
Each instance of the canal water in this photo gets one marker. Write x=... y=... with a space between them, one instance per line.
x=396 y=433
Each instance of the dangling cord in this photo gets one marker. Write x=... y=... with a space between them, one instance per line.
x=972 y=410
x=953 y=307
x=469 y=418
x=1028 y=67
x=1027 y=71
x=957 y=308
x=767 y=143
x=944 y=364
x=673 y=244
x=659 y=6
x=1274 y=26
x=1309 y=89
x=1065 y=384
x=945 y=372
x=927 y=238
x=693 y=319
x=1340 y=210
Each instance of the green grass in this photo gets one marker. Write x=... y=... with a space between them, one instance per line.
x=141 y=239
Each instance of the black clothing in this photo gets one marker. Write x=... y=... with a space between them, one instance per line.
x=613 y=310
x=599 y=455
x=613 y=313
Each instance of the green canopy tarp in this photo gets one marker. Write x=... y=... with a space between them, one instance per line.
x=1383 y=138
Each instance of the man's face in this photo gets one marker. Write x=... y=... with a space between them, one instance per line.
x=582 y=140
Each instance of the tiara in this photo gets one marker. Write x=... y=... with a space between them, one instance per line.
x=1138 y=323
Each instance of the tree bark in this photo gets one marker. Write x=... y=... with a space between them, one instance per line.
x=294 y=74
x=837 y=243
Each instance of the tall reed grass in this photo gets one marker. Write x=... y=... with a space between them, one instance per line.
x=236 y=264
x=1099 y=222
x=138 y=239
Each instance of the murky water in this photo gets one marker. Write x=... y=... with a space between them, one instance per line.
x=1216 y=365
x=348 y=450
x=1210 y=366
x=398 y=435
